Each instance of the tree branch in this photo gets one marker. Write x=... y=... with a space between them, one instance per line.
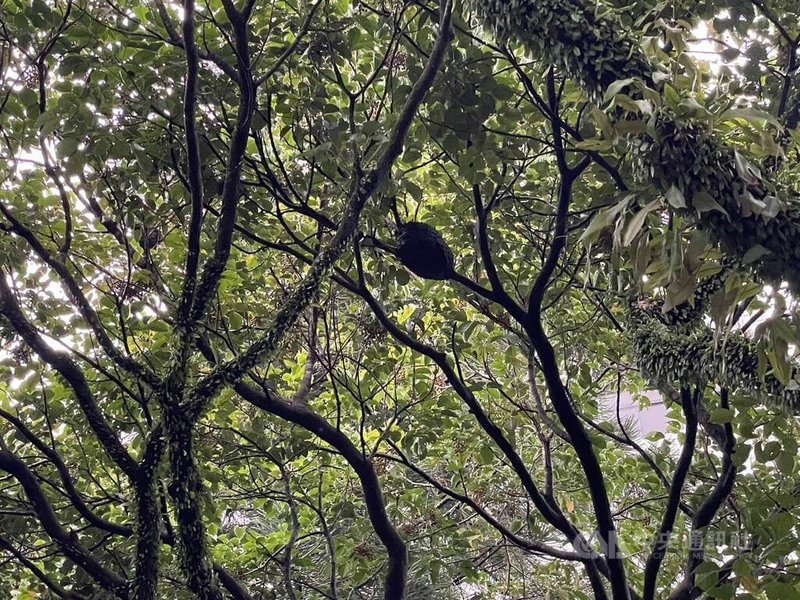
x=708 y=510
x=66 y=541
x=79 y=300
x=303 y=294
x=533 y=546
x=52 y=585
x=659 y=550
x=370 y=484
x=72 y=374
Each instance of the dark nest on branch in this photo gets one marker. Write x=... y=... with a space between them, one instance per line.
x=423 y=251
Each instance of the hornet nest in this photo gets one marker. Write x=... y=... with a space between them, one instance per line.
x=423 y=251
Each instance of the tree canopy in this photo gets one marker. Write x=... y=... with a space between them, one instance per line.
x=349 y=299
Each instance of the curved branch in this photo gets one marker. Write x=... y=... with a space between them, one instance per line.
x=54 y=587
x=193 y=175
x=533 y=546
x=66 y=477
x=215 y=266
x=579 y=438
x=548 y=510
x=79 y=300
x=66 y=541
x=370 y=484
x=72 y=374
x=708 y=510
x=658 y=552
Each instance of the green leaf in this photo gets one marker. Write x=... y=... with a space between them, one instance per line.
x=704 y=202
x=637 y=222
x=67 y=147
x=595 y=145
x=616 y=87
x=721 y=415
x=235 y=320
x=679 y=291
x=723 y=592
x=781 y=591
x=755 y=253
x=707 y=575
x=747 y=172
x=672 y=97
x=751 y=115
x=601 y=221
x=785 y=462
x=675 y=197
x=781 y=367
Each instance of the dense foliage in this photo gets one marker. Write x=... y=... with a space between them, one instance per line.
x=344 y=299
